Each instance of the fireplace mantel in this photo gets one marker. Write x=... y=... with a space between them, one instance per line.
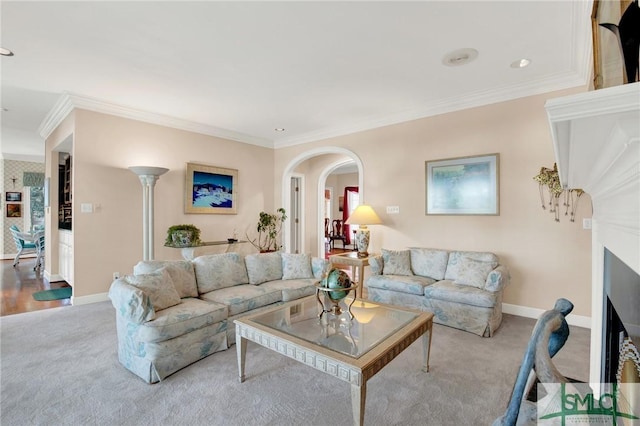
x=596 y=137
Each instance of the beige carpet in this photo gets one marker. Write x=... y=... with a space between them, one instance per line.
x=60 y=367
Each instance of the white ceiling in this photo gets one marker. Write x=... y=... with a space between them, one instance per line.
x=316 y=69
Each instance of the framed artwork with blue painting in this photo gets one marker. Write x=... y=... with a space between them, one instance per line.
x=210 y=189
x=463 y=186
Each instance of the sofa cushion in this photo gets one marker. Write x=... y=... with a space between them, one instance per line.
x=474 y=272
x=465 y=294
x=158 y=286
x=170 y=355
x=263 y=267
x=177 y=320
x=455 y=258
x=293 y=289
x=243 y=298
x=219 y=271
x=181 y=271
x=396 y=262
x=413 y=284
x=428 y=262
x=296 y=266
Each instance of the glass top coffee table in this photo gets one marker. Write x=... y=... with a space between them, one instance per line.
x=352 y=350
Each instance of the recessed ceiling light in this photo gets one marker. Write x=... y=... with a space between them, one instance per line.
x=520 y=63
x=460 y=57
x=279 y=129
x=5 y=52
x=3 y=109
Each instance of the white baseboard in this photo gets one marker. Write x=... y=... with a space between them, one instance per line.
x=92 y=298
x=52 y=278
x=13 y=256
x=525 y=311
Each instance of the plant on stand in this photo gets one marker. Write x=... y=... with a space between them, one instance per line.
x=182 y=236
x=268 y=228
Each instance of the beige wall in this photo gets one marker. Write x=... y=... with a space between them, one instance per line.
x=547 y=260
x=110 y=239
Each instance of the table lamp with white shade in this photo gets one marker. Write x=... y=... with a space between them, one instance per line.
x=362 y=216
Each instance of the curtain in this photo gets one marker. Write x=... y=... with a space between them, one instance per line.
x=346 y=210
x=32 y=179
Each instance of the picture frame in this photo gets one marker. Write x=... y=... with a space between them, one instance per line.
x=608 y=57
x=13 y=196
x=210 y=189
x=14 y=210
x=463 y=186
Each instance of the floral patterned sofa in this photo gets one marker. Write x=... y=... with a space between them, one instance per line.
x=170 y=314
x=463 y=289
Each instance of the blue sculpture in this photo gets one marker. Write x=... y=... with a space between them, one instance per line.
x=548 y=337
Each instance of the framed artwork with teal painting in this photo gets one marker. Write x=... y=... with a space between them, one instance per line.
x=210 y=189
x=463 y=186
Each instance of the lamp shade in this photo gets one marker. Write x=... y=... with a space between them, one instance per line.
x=148 y=170
x=363 y=215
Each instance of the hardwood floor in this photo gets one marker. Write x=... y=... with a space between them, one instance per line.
x=18 y=285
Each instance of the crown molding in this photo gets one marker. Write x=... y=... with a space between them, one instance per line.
x=23 y=157
x=68 y=102
x=481 y=98
x=61 y=109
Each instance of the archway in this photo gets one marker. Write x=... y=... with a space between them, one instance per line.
x=286 y=186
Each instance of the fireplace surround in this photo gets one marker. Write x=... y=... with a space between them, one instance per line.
x=596 y=137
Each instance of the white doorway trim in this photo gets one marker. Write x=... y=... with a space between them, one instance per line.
x=286 y=189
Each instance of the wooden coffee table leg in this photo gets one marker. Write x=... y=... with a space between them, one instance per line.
x=241 y=350
x=426 y=349
x=358 y=398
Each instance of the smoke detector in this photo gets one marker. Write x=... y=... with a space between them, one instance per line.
x=460 y=57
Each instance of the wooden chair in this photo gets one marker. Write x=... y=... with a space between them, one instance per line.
x=337 y=233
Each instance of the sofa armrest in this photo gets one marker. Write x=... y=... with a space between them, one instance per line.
x=319 y=267
x=376 y=263
x=131 y=302
x=498 y=279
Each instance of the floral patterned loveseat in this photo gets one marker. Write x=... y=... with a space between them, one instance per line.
x=463 y=289
x=170 y=314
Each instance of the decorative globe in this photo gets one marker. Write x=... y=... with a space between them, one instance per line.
x=337 y=278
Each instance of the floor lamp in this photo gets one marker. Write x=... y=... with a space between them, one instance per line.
x=148 y=177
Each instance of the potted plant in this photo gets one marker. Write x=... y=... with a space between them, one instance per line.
x=268 y=227
x=183 y=236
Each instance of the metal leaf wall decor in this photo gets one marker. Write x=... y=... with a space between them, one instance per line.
x=549 y=183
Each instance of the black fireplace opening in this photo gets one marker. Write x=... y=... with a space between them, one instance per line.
x=621 y=325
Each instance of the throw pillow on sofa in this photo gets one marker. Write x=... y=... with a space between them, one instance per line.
x=181 y=272
x=217 y=271
x=396 y=262
x=429 y=263
x=158 y=286
x=455 y=260
x=474 y=272
x=296 y=266
x=263 y=267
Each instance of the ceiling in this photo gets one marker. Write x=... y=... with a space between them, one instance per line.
x=243 y=69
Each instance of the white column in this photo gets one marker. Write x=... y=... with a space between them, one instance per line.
x=148 y=177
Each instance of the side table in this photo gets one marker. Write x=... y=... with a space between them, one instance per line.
x=356 y=263
x=189 y=253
